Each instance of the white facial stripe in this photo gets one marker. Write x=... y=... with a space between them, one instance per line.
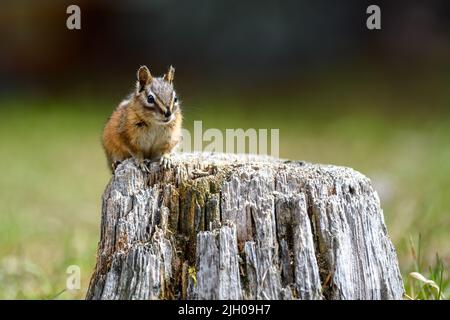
x=172 y=101
x=158 y=102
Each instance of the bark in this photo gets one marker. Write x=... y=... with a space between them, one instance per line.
x=221 y=226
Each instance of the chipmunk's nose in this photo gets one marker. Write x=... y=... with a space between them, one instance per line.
x=167 y=113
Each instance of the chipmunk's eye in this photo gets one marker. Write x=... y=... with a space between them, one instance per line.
x=150 y=99
x=175 y=100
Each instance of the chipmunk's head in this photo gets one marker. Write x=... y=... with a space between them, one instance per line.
x=157 y=96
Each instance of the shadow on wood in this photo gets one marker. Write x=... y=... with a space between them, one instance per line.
x=220 y=226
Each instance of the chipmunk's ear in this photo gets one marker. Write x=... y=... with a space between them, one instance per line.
x=170 y=75
x=144 y=77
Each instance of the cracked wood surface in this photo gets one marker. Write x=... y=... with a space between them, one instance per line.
x=222 y=226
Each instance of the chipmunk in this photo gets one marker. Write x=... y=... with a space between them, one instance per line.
x=146 y=125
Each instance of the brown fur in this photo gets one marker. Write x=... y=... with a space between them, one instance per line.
x=136 y=130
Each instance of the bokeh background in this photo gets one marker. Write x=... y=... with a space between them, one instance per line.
x=377 y=101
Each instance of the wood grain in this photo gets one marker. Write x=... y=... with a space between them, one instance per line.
x=221 y=226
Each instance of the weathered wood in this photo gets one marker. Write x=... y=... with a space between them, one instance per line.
x=243 y=227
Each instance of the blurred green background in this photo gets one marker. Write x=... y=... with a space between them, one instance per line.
x=376 y=101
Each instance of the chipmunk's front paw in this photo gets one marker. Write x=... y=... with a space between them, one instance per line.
x=166 y=161
x=142 y=165
x=114 y=165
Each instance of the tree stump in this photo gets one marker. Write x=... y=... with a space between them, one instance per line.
x=223 y=226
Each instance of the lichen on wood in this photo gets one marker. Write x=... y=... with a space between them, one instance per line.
x=222 y=226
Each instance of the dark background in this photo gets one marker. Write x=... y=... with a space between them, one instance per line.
x=239 y=44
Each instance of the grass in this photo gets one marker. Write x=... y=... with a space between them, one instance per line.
x=54 y=172
x=52 y=180
x=435 y=285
